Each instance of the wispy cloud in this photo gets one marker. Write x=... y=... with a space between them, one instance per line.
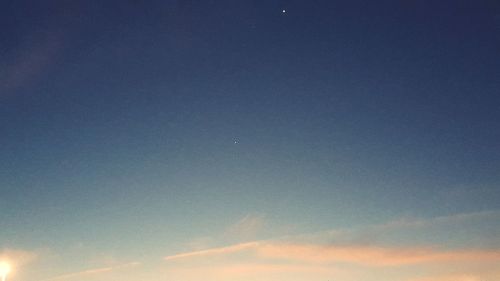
x=440 y=220
x=214 y=251
x=371 y=255
x=333 y=255
x=31 y=62
x=246 y=228
x=476 y=229
x=356 y=254
x=261 y=259
x=93 y=271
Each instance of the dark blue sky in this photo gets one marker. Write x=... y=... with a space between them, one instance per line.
x=143 y=116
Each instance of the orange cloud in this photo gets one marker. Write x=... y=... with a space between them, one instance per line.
x=300 y=261
x=369 y=255
x=360 y=255
x=365 y=253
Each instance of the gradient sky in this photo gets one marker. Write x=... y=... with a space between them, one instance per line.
x=250 y=140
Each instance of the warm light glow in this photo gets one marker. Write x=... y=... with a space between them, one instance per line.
x=4 y=270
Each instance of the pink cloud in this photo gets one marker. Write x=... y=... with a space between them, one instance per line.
x=356 y=254
x=298 y=261
x=315 y=257
x=370 y=255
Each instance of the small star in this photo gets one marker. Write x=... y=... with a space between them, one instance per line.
x=284 y=11
x=235 y=142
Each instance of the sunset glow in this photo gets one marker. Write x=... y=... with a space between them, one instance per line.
x=4 y=270
x=250 y=140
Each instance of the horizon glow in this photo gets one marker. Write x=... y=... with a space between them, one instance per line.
x=5 y=269
x=249 y=140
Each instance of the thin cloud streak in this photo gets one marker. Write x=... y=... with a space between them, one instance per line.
x=214 y=251
x=441 y=220
x=246 y=228
x=92 y=271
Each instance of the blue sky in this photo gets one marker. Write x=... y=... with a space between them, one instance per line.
x=131 y=132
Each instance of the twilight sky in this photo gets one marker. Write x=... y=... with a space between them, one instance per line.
x=253 y=140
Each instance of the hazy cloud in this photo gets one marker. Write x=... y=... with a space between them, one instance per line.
x=356 y=254
x=332 y=255
x=214 y=251
x=93 y=271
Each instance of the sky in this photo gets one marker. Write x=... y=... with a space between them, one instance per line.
x=250 y=140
